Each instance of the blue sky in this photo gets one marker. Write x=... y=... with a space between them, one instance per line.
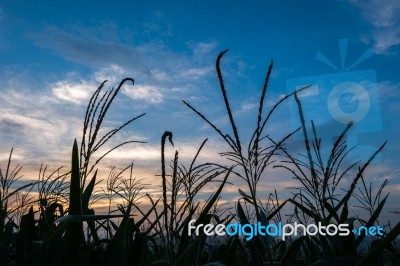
x=54 y=55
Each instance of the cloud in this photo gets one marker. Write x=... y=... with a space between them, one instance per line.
x=162 y=75
x=159 y=72
x=247 y=107
x=380 y=13
x=146 y=93
x=77 y=90
x=385 y=19
x=81 y=45
x=33 y=121
x=100 y=47
x=203 y=48
x=73 y=92
x=196 y=73
x=389 y=93
x=19 y=121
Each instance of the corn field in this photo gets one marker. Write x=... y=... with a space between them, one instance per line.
x=60 y=226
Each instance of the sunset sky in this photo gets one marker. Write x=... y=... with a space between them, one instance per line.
x=54 y=55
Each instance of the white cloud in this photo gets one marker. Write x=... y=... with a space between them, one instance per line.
x=159 y=72
x=43 y=125
x=204 y=48
x=33 y=121
x=73 y=92
x=383 y=15
x=112 y=74
x=16 y=156
x=99 y=47
x=388 y=89
x=386 y=38
x=248 y=107
x=389 y=99
x=147 y=93
x=380 y=13
x=187 y=150
x=77 y=90
x=43 y=136
x=197 y=73
x=24 y=120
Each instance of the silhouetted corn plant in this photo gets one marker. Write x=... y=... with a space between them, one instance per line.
x=321 y=197
x=9 y=204
x=63 y=236
x=92 y=141
x=67 y=231
x=254 y=160
x=179 y=192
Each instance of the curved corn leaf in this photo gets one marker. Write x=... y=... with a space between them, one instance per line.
x=291 y=254
x=382 y=244
x=372 y=219
x=88 y=193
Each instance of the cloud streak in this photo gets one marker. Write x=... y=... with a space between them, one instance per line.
x=159 y=72
x=99 y=48
x=385 y=19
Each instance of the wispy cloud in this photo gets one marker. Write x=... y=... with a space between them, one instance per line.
x=146 y=93
x=43 y=115
x=73 y=92
x=248 y=106
x=389 y=93
x=159 y=72
x=34 y=121
x=77 y=90
x=101 y=47
x=202 y=49
x=385 y=19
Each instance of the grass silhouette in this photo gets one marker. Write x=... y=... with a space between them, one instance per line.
x=63 y=229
